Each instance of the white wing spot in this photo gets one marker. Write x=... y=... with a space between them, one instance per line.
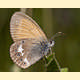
x=20 y=49
x=25 y=60
x=22 y=54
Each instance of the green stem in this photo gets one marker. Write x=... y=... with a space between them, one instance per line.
x=57 y=63
x=46 y=65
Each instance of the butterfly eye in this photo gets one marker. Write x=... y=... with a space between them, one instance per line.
x=50 y=42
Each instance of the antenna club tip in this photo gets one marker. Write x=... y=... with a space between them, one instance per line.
x=60 y=33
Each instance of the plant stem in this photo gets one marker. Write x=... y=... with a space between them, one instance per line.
x=52 y=60
x=57 y=63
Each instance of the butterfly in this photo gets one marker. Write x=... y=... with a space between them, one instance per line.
x=30 y=42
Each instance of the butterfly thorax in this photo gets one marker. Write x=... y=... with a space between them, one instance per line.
x=44 y=48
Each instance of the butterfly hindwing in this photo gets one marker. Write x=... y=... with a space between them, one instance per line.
x=26 y=52
x=22 y=27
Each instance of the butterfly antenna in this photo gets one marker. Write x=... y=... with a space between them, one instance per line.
x=57 y=35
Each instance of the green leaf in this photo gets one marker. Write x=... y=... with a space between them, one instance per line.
x=64 y=69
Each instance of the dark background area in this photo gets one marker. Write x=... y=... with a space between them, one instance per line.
x=67 y=47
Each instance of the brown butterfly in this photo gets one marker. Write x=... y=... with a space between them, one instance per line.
x=30 y=42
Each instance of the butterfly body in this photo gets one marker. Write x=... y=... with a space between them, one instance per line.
x=30 y=43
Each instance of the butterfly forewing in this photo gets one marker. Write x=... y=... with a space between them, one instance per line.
x=22 y=27
x=26 y=52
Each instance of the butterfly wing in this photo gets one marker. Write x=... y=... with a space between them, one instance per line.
x=22 y=27
x=26 y=52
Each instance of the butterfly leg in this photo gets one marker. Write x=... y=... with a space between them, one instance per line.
x=49 y=54
x=44 y=59
x=53 y=54
x=53 y=57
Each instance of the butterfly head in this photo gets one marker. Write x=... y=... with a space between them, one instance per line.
x=51 y=43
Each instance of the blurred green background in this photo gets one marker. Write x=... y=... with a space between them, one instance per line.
x=51 y=20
